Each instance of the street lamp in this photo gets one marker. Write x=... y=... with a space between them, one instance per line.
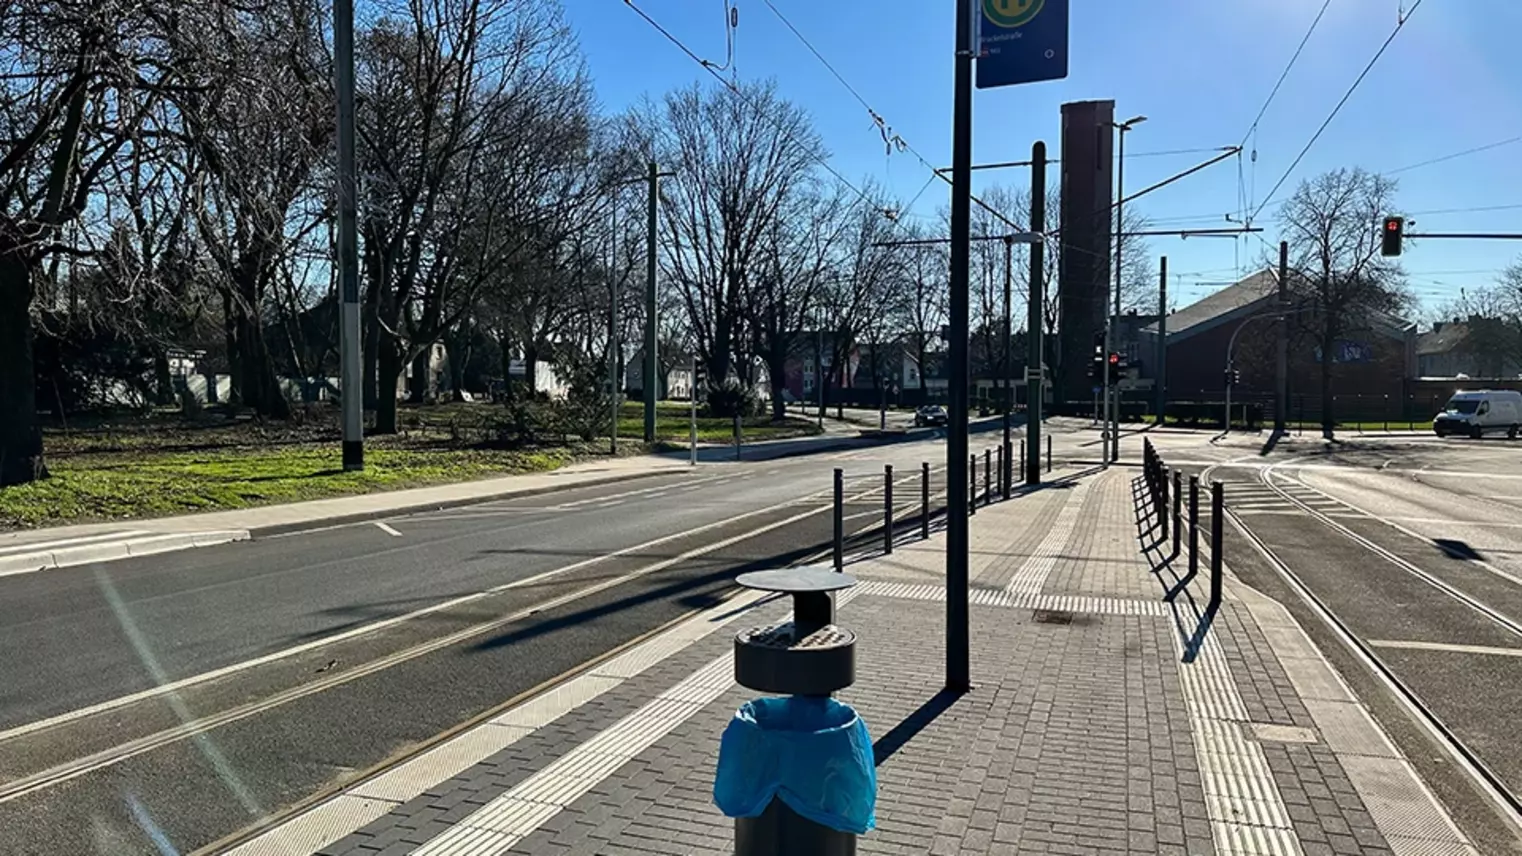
x=1231 y=346
x=1009 y=388
x=1112 y=413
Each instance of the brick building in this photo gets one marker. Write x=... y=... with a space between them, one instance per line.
x=1373 y=362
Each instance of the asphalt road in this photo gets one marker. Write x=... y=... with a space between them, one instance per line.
x=170 y=701
x=1415 y=545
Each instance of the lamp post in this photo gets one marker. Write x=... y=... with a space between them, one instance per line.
x=1231 y=345
x=1112 y=413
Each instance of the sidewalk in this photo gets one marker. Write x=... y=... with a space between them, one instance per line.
x=1086 y=730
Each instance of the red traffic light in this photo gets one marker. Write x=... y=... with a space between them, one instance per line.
x=1392 y=224
x=1114 y=359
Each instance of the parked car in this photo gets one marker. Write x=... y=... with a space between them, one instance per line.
x=1484 y=411
x=930 y=414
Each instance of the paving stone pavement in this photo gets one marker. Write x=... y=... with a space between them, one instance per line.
x=1085 y=731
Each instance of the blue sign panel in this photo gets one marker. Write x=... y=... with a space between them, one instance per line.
x=1022 y=41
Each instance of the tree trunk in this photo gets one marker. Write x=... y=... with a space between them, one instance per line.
x=20 y=434
x=388 y=371
x=234 y=359
x=261 y=388
x=778 y=377
x=1328 y=419
x=531 y=369
x=419 y=385
x=163 y=385
x=370 y=339
x=506 y=348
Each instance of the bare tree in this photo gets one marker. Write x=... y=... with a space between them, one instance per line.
x=1329 y=223
x=473 y=129
x=743 y=154
x=259 y=141
x=79 y=81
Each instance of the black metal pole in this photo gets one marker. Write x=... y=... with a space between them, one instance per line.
x=652 y=360
x=1178 y=510
x=1161 y=380
x=988 y=476
x=1048 y=453
x=1009 y=382
x=1009 y=467
x=887 y=508
x=1162 y=509
x=958 y=637
x=1217 y=502
x=840 y=519
x=972 y=484
x=925 y=500
x=1194 y=525
x=1035 y=357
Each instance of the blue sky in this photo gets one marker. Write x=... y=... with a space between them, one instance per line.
x=1199 y=69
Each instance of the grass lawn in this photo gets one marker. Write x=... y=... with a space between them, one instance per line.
x=672 y=423
x=163 y=464
x=120 y=485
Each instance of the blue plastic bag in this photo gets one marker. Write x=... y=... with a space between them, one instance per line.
x=812 y=753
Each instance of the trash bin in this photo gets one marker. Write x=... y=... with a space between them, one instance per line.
x=796 y=773
x=813 y=756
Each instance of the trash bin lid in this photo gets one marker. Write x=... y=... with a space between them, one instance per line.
x=812 y=578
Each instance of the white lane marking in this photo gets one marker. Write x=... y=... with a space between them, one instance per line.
x=1409 y=567
x=693 y=484
x=275 y=656
x=387 y=528
x=115 y=755
x=1446 y=521
x=1448 y=647
x=512 y=816
x=361 y=803
x=515 y=815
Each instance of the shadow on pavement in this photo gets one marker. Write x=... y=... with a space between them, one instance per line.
x=911 y=725
x=1162 y=559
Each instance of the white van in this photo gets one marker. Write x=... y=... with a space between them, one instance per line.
x=1484 y=411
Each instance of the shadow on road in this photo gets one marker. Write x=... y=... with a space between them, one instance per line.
x=697 y=592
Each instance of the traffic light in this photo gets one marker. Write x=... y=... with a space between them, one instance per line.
x=1393 y=231
x=1233 y=377
x=699 y=382
x=1114 y=363
x=1097 y=363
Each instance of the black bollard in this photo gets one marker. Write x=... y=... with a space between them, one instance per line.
x=887 y=508
x=925 y=501
x=1194 y=525
x=840 y=519
x=1217 y=517
x=972 y=485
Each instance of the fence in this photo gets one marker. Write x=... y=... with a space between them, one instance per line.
x=989 y=481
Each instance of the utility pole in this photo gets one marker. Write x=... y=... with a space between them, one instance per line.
x=1161 y=380
x=613 y=329
x=1006 y=465
x=1281 y=362
x=349 y=374
x=1035 y=390
x=1120 y=240
x=652 y=359
x=958 y=643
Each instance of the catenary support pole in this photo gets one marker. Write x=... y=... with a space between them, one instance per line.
x=958 y=639
x=350 y=374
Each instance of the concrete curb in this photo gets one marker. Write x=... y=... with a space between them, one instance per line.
x=88 y=554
